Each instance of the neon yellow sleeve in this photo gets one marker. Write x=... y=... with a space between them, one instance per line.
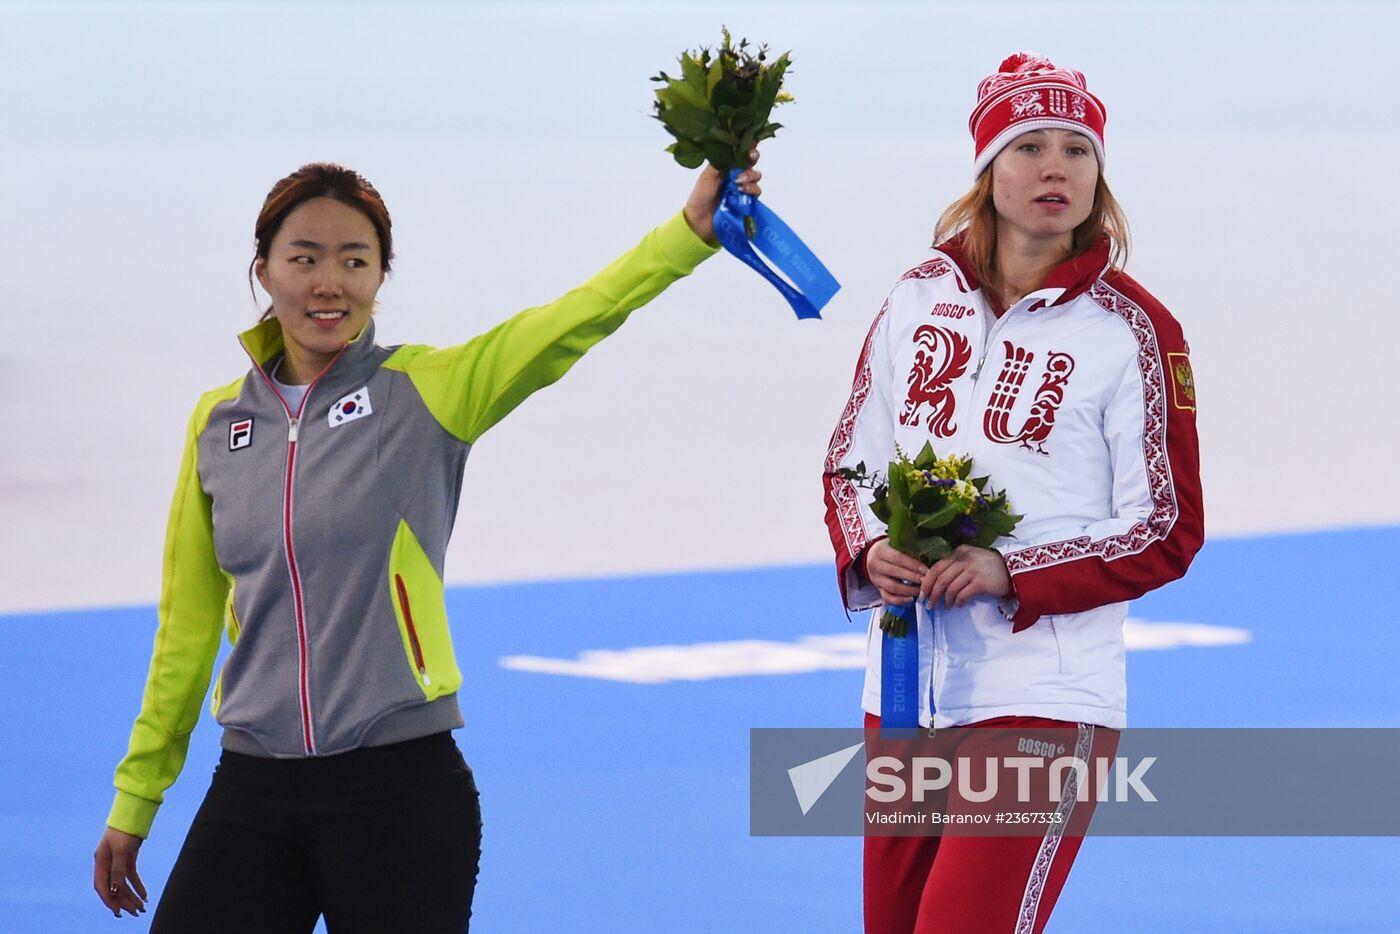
x=470 y=387
x=190 y=622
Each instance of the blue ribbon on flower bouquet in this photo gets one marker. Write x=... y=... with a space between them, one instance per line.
x=775 y=239
x=899 y=671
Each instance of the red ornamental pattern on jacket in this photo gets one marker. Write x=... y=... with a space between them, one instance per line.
x=932 y=269
x=942 y=357
x=1159 y=476
x=842 y=494
x=1048 y=398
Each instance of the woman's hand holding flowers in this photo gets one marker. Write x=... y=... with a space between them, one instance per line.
x=896 y=574
x=967 y=573
x=704 y=198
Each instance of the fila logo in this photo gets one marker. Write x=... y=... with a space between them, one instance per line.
x=348 y=408
x=240 y=434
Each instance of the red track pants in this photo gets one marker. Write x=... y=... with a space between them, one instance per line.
x=960 y=884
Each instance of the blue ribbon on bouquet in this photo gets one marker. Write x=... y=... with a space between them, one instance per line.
x=815 y=285
x=899 y=671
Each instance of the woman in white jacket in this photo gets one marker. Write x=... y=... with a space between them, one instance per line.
x=1022 y=343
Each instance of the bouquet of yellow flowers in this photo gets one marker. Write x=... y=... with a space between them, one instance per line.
x=931 y=505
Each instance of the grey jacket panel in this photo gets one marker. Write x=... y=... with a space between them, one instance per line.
x=428 y=464
x=353 y=479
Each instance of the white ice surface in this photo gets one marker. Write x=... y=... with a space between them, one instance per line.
x=1250 y=144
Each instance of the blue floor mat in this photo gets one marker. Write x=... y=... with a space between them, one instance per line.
x=612 y=806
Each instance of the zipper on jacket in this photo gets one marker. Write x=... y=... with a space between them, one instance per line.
x=298 y=603
x=990 y=333
x=991 y=330
x=412 y=632
x=308 y=733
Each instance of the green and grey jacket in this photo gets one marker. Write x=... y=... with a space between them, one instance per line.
x=316 y=538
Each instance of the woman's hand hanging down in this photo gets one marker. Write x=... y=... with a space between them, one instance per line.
x=114 y=873
x=704 y=197
x=968 y=572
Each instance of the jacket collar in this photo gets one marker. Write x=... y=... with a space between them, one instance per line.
x=1074 y=276
x=264 y=343
x=953 y=249
x=1066 y=282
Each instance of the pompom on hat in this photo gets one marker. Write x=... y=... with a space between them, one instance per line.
x=1029 y=93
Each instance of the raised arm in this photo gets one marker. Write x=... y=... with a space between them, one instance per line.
x=471 y=387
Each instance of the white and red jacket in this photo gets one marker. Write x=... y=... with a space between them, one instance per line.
x=1079 y=402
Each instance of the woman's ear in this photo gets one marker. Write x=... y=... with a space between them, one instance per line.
x=260 y=270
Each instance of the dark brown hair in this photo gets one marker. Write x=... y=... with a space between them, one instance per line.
x=320 y=180
x=975 y=217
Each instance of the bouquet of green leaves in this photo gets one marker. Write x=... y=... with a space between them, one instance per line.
x=717 y=110
x=719 y=106
x=931 y=505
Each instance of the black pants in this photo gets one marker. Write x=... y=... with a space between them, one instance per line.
x=379 y=840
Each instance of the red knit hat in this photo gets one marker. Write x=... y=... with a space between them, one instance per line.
x=1029 y=93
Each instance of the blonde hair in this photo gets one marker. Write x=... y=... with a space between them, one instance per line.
x=975 y=217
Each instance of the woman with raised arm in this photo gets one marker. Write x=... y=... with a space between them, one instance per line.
x=1022 y=342
x=310 y=521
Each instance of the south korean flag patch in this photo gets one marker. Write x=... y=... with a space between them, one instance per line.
x=348 y=408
